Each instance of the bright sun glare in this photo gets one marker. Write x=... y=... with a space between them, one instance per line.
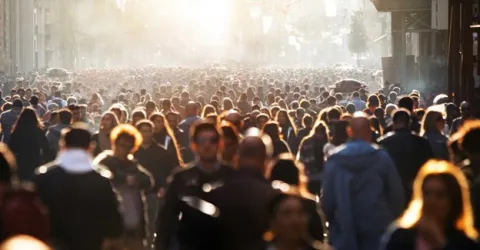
x=210 y=17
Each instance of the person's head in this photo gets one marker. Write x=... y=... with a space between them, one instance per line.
x=145 y=127
x=333 y=115
x=390 y=108
x=401 y=119
x=137 y=115
x=34 y=101
x=27 y=121
x=7 y=164
x=440 y=192
x=75 y=138
x=23 y=242
x=227 y=104
x=288 y=218
x=272 y=129
x=355 y=94
x=307 y=121
x=166 y=105
x=191 y=109
x=254 y=151
x=125 y=140
x=432 y=122
x=351 y=108
x=159 y=122
x=465 y=109
x=360 y=127
x=262 y=119
x=76 y=113
x=406 y=102
x=287 y=170
x=207 y=141
x=373 y=102
x=392 y=97
x=340 y=132
x=420 y=113
x=108 y=121
x=470 y=136
x=235 y=119
x=173 y=119
x=17 y=104
x=231 y=141
x=65 y=116
x=150 y=107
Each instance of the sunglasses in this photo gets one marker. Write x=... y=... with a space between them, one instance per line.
x=204 y=140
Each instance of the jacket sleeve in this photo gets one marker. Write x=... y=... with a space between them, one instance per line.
x=144 y=179
x=396 y=196
x=113 y=222
x=48 y=154
x=328 y=192
x=167 y=217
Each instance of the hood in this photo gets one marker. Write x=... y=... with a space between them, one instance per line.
x=356 y=155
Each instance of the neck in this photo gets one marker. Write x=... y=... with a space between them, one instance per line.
x=288 y=244
x=120 y=157
x=146 y=144
x=208 y=164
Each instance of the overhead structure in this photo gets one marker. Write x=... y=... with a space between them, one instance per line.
x=414 y=18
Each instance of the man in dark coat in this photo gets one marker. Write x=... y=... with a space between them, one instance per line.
x=83 y=208
x=408 y=151
x=186 y=192
x=243 y=200
x=9 y=118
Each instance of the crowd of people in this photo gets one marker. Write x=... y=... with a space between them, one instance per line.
x=237 y=159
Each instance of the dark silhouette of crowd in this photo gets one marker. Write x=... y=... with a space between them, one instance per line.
x=235 y=159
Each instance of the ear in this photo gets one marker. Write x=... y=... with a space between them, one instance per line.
x=349 y=132
x=194 y=146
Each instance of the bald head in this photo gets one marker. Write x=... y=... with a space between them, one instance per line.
x=360 y=127
x=252 y=153
x=191 y=109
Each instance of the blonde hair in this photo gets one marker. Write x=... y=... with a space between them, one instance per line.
x=413 y=214
x=127 y=130
x=430 y=119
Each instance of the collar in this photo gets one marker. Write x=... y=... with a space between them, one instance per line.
x=217 y=167
x=76 y=161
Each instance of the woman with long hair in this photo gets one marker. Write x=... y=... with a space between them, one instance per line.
x=243 y=104
x=288 y=128
x=310 y=153
x=433 y=125
x=289 y=177
x=377 y=130
x=163 y=135
x=279 y=145
x=207 y=109
x=96 y=99
x=440 y=214
x=102 y=138
x=227 y=104
x=29 y=144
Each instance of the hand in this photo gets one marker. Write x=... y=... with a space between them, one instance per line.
x=432 y=232
x=131 y=180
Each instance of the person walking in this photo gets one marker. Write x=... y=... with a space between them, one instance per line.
x=83 y=208
x=362 y=191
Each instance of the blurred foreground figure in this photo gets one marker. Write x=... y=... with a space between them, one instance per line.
x=23 y=242
x=181 y=218
x=243 y=200
x=439 y=216
x=362 y=192
x=84 y=210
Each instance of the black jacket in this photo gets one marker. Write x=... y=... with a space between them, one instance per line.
x=195 y=229
x=136 y=195
x=405 y=239
x=31 y=150
x=83 y=208
x=409 y=152
x=243 y=205
x=158 y=162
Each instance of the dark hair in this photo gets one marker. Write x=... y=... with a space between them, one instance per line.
x=340 y=134
x=208 y=109
x=17 y=104
x=373 y=101
x=333 y=114
x=201 y=127
x=307 y=120
x=150 y=104
x=402 y=117
x=76 y=138
x=471 y=136
x=229 y=131
x=379 y=113
x=272 y=129
x=34 y=100
x=351 y=108
x=406 y=102
x=65 y=116
x=277 y=200
x=356 y=94
x=285 y=171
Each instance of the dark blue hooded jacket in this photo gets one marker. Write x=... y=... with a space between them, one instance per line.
x=362 y=195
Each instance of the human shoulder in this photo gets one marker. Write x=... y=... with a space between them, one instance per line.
x=103 y=171
x=47 y=169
